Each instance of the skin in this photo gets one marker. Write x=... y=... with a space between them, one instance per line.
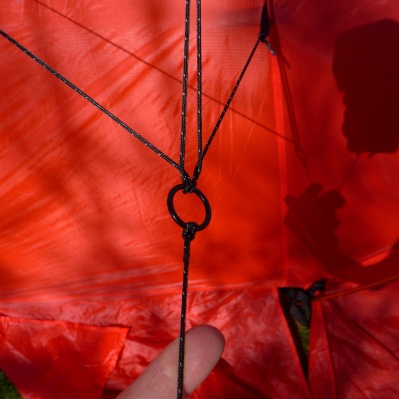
x=203 y=349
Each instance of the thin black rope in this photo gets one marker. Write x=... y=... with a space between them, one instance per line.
x=198 y=167
x=189 y=184
x=91 y=100
x=188 y=235
x=186 y=183
x=183 y=132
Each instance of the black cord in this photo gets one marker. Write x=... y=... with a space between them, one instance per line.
x=183 y=131
x=187 y=188
x=188 y=235
x=198 y=167
x=189 y=184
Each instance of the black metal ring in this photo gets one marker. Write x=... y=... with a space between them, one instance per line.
x=175 y=216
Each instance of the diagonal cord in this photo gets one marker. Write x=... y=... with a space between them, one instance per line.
x=226 y=107
x=91 y=100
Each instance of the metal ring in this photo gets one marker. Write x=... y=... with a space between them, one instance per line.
x=176 y=217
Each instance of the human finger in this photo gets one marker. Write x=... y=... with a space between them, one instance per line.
x=203 y=348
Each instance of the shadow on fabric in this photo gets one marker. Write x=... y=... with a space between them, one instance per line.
x=312 y=218
x=366 y=68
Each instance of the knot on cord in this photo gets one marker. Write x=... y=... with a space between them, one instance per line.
x=190 y=230
x=189 y=185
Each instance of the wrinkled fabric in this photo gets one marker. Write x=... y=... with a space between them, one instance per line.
x=301 y=179
x=354 y=348
x=55 y=358
x=259 y=313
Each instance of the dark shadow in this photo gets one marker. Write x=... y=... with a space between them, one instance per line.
x=110 y=394
x=312 y=218
x=286 y=306
x=366 y=68
x=296 y=304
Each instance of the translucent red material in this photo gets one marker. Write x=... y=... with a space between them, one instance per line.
x=301 y=178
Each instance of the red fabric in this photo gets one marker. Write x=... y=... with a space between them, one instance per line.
x=354 y=349
x=259 y=312
x=85 y=236
x=55 y=358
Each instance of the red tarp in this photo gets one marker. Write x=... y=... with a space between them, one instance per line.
x=302 y=181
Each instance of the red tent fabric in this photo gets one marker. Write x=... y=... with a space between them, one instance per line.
x=301 y=179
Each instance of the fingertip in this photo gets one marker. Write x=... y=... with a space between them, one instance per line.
x=204 y=348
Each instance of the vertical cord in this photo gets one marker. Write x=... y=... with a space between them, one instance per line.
x=183 y=132
x=186 y=183
x=191 y=228
x=188 y=235
x=198 y=167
